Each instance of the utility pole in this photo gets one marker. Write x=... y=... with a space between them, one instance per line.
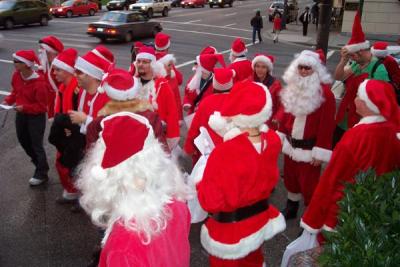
x=324 y=21
x=285 y=13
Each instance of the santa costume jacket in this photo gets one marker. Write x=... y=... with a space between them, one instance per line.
x=193 y=97
x=159 y=94
x=372 y=143
x=237 y=176
x=174 y=84
x=242 y=68
x=317 y=126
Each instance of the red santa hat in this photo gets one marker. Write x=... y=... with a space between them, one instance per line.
x=138 y=44
x=249 y=105
x=66 y=60
x=147 y=52
x=205 y=63
x=208 y=50
x=264 y=58
x=223 y=79
x=104 y=53
x=238 y=48
x=162 y=41
x=92 y=65
x=380 y=98
x=51 y=44
x=124 y=135
x=28 y=57
x=357 y=41
x=120 y=85
x=379 y=49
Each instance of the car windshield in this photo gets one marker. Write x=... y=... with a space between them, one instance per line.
x=6 y=4
x=114 y=17
x=145 y=1
x=68 y=3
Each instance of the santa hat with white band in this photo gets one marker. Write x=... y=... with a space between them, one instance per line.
x=104 y=53
x=264 y=58
x=120 y=85
x=379 y=49
x=92 y=65
x=51 y=44
x=66 y=60
x=28 y=57
x=357 y=41
x=147 y=52
x=162 y=41
x=223 y=79
x=205 y=63
x=238 y=48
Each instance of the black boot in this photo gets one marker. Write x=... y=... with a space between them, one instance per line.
x=290 y=212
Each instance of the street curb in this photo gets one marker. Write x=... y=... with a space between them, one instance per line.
x=334 y=47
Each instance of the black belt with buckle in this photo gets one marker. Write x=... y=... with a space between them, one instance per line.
x=302 y=143
x=241 y=213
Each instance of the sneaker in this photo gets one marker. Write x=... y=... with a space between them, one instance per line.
x=35 y=181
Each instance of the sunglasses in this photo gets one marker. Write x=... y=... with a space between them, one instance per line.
x=300 y=67
x=17 y=61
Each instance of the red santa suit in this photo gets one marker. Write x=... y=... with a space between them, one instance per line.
x=372 y=143
x=242 y=67
x=90 y=104
x=233 y=234
x=306 y=125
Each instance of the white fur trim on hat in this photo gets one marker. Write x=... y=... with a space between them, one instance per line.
x=362 y=94
x=379 y=52
x=239 y=54
x=88 y=68
x=255 y=120
x=167 y=59
x=48 y=48
x=120 y=95
x=217 y=122
x=222 y=87
x=97 y=53
x=164 y=47
x=357 y=47
x=62 y=65
x=264 y=60
x=144 y=55
x=246 y=244
x=22 y=59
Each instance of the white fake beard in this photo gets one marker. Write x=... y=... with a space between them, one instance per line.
x=302 y=95
x=43 y=59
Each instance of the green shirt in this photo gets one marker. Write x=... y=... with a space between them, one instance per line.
x=380 y=73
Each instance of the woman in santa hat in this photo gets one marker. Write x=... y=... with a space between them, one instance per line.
x=238 y=179
x=132 y=189
x=29 y=95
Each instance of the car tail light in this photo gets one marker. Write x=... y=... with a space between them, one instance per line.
x=91 y=29
x=111 y=31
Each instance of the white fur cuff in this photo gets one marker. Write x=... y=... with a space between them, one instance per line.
x=297 y=154
x=321 y=154
x=309 y=228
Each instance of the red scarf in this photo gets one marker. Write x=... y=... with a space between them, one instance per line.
x=67 y=97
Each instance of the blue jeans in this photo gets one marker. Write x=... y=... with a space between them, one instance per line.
x=254 y=34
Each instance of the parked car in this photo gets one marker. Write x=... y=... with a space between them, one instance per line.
x=193 y=3
x=119 y=4
x=176 y=3
x=75 y=7
x=278 y=6
x=123 y=25
x=220 y=3
x=23 y=12
x=149 y=7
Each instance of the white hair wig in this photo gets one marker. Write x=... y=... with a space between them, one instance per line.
x=135 y=192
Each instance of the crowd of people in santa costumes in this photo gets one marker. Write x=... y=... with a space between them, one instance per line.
x=116 y=132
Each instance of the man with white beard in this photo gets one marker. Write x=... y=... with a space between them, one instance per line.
x=306 y=124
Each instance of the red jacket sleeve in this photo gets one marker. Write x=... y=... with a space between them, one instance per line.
x=190 y=96
x=167 y=110
x=10 y=99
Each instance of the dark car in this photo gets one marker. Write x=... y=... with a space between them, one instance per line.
x=119 y=4
x=23 y=12
x=176 y=3
x=123 y=25
x=220 y=3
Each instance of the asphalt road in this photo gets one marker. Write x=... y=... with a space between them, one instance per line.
x=35 y=230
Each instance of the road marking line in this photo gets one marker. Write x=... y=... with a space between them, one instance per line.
x=208 y=33
x=6 y=61
x=35 y=42
x=205 y=25
x=4 y=92
x=72 y=22
x=188 y=22
x=230 y=14
x=229 y=25
x=330 y=53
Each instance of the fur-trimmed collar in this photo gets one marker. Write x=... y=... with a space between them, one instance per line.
x=371 y=119
x=135 y=105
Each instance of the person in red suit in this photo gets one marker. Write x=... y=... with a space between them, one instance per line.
x=239 y=62
x=373 y=143
x=222 y=84
x=29 y=95
x=306 y=125
x=156 y=90
x=133 y=190
x=238 y=179
x=66 y=100
x=49 y=47
x=263 y=66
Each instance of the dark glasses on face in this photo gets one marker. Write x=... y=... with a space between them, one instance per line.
x=300 y=67
x=17 y=61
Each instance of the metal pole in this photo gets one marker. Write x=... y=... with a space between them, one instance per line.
x=284 y=15
x=324 y=21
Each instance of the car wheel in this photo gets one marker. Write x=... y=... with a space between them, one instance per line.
x=92 y=12
x=165 y=12
x=211 y=6
x=128 y=37
x=69 y=14
x=221 y=6
x=44 y=21
x=9 y=24
x=150 y=13
x=183 y=6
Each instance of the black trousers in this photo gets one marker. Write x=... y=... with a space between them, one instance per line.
x=30 y=131
x=258 y=31
x=305 y=28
